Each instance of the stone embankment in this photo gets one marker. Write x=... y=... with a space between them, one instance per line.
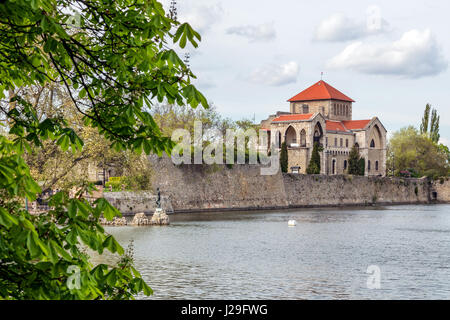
x=193 y=188
x=160 y=218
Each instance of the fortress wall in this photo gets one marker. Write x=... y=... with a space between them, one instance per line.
x=341 y=190
x=209 y=187
x=442 y=189
x=218 y=187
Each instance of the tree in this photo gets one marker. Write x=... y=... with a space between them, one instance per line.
x=314 y=163
x=284 y=157
x=356 y=164
x=361 y=166
x=408 y=150
x=430 y=127
x=425 y=120
x=434 y=127
x=113 y=58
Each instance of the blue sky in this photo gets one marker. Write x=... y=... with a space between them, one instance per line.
x=390 y=56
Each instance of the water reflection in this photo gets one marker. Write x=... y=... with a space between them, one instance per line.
x=255 y=255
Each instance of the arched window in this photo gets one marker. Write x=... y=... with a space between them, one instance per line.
x=368 y=165
x=346 y=143
x=376 y=165
x=341 y=142
x=278 y=139
x=372 y=143
x=333 y=166
x=290 y=137
x=345 y=164
x=303 y=138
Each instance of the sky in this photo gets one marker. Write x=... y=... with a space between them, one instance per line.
x=391 y=57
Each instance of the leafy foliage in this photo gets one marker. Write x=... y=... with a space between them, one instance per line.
x=411 y=151
x=314 y=163
x=112 y=58
x=356 y=164
x=430 y=127
x=284 y=157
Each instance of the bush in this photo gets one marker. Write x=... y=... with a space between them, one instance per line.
x=114 y=183
x=284 y=158
x=314 y=163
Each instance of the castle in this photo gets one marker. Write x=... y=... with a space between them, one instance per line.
x=322 y=114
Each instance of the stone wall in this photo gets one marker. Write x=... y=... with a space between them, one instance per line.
x=140 y=201
x=441 y=190
x=241 y=187
x=208 y=187
x=341 y=190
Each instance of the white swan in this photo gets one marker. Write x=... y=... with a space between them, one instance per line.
x=292 y=223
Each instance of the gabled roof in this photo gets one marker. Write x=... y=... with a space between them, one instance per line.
x=293 y=117
x=335 y=126
x=346 y=125
x=320 y=91
x=355 y=124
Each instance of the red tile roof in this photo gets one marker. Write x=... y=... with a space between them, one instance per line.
x=335 y=126
x=355 y=124
x=293 y=117
x=320 y=91
x=346 y=126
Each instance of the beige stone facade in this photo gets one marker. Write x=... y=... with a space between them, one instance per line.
x=328 y=122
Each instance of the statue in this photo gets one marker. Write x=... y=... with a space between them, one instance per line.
x=158 y=200
x=159 y=217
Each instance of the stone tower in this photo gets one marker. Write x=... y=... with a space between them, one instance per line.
x=322 y=98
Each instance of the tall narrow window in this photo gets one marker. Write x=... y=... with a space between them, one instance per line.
x=303 y=138
x=335 y=142
x=305 y=108
x=376 y=165
x=368 y=165
x=342 y=142
x=326 y=142
x=346 y=143
x=333 y=166
x=345 y=164
x=372 y=144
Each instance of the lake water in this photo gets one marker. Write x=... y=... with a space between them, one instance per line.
x=255 y=255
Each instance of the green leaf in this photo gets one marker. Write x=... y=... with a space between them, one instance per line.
x=32 y=246
x=7 y=219
x=111 y=278
x=63 y=141
x=82 y=93
x=72 y=208
x=71 y=237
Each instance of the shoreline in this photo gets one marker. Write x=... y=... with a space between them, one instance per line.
x=293 y=207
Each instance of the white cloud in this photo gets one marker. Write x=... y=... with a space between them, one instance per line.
x=262 y=32
x=338 y=27
x=275 y=74
x=200 y=16
x=416 y=54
